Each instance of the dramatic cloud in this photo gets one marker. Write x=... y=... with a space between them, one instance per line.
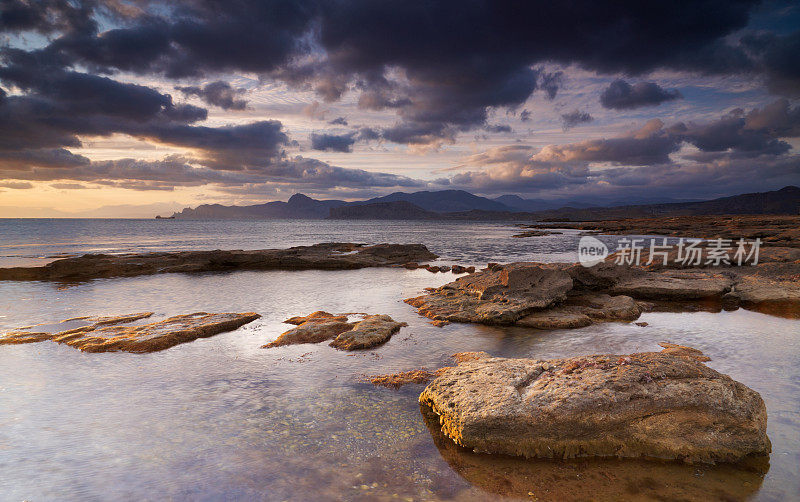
x=333 y=142
x=218 y=93
x=738 y=152
x=621 y=95
x=439 y=65
x=414 y=73
x=574 y=118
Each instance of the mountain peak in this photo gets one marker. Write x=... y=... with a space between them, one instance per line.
x=298 y=197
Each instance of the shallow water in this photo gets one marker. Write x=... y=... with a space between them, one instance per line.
x=221 y=418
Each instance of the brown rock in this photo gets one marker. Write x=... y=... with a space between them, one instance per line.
x=397 y=380
x=373 y=330
x=327 y=256
x=674 y=349
x=639 y=405
x=582 y=310
x=534 y=233
x=440 y=323
x=543 y=480
x=109 y=334
x=321 y=326
x=675 y=285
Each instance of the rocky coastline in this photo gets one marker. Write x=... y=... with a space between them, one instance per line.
x=325 y=256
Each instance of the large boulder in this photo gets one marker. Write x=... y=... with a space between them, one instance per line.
x=112 y=334
x=640 y=405
x=498 y=295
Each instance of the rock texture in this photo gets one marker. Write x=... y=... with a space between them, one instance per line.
x=113 y=334
x=320 y=326
x=327 y=256
x=560 y=295
x=397 y=380
x=639 y=405
x=586 y=479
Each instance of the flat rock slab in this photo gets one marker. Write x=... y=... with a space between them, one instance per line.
x=639 y=405
x=321 y=326
x=114 y=334
x=498 y=295
x=675 y=285
x=327 y=256
x=562 y=295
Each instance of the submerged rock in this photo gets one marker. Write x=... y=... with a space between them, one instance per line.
x=320 y=326
x=397 y=380
x=639 y=405
x=373 y=330
x=326 y=256
x=111 y=334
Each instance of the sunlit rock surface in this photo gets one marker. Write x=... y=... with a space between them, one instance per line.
x=321 y=326
x=639 y=405
x=561 y=295
x=115 y=334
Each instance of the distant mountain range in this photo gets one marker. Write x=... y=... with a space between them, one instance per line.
x=461 y=205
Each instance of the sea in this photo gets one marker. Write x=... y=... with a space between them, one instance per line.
x=223 y=419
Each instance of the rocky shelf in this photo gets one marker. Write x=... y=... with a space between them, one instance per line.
x=326 y=256
x=560 y=295
x=115 y=334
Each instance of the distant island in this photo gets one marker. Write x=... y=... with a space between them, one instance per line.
x=462 y=205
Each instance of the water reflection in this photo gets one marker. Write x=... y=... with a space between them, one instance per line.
x=220 y=418
x=606 y=479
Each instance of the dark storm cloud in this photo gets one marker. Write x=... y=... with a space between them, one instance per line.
x=339 y=121
x=440 y=65
x=46 y=16
x=621 y=95
x=218 y=93
x=333 y=142
x=574 y=118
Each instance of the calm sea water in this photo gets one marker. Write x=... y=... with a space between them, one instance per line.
x=222 y=419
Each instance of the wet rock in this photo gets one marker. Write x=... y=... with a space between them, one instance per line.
x=373 y=330
x=583 y=310
x=327 y=256
x=397 y=380
x=459 y=269
x=444 y=268
x=639 y=405
x=440 y=323
x=674 y=349
x=597 y=478
x=534 y=233
x=112 y=334
x=320 y=326
x=412 y=265
x=314 y=328
x=675 y=285
x=642 y=324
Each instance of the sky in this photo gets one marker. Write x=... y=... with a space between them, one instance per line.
x=129 y=108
